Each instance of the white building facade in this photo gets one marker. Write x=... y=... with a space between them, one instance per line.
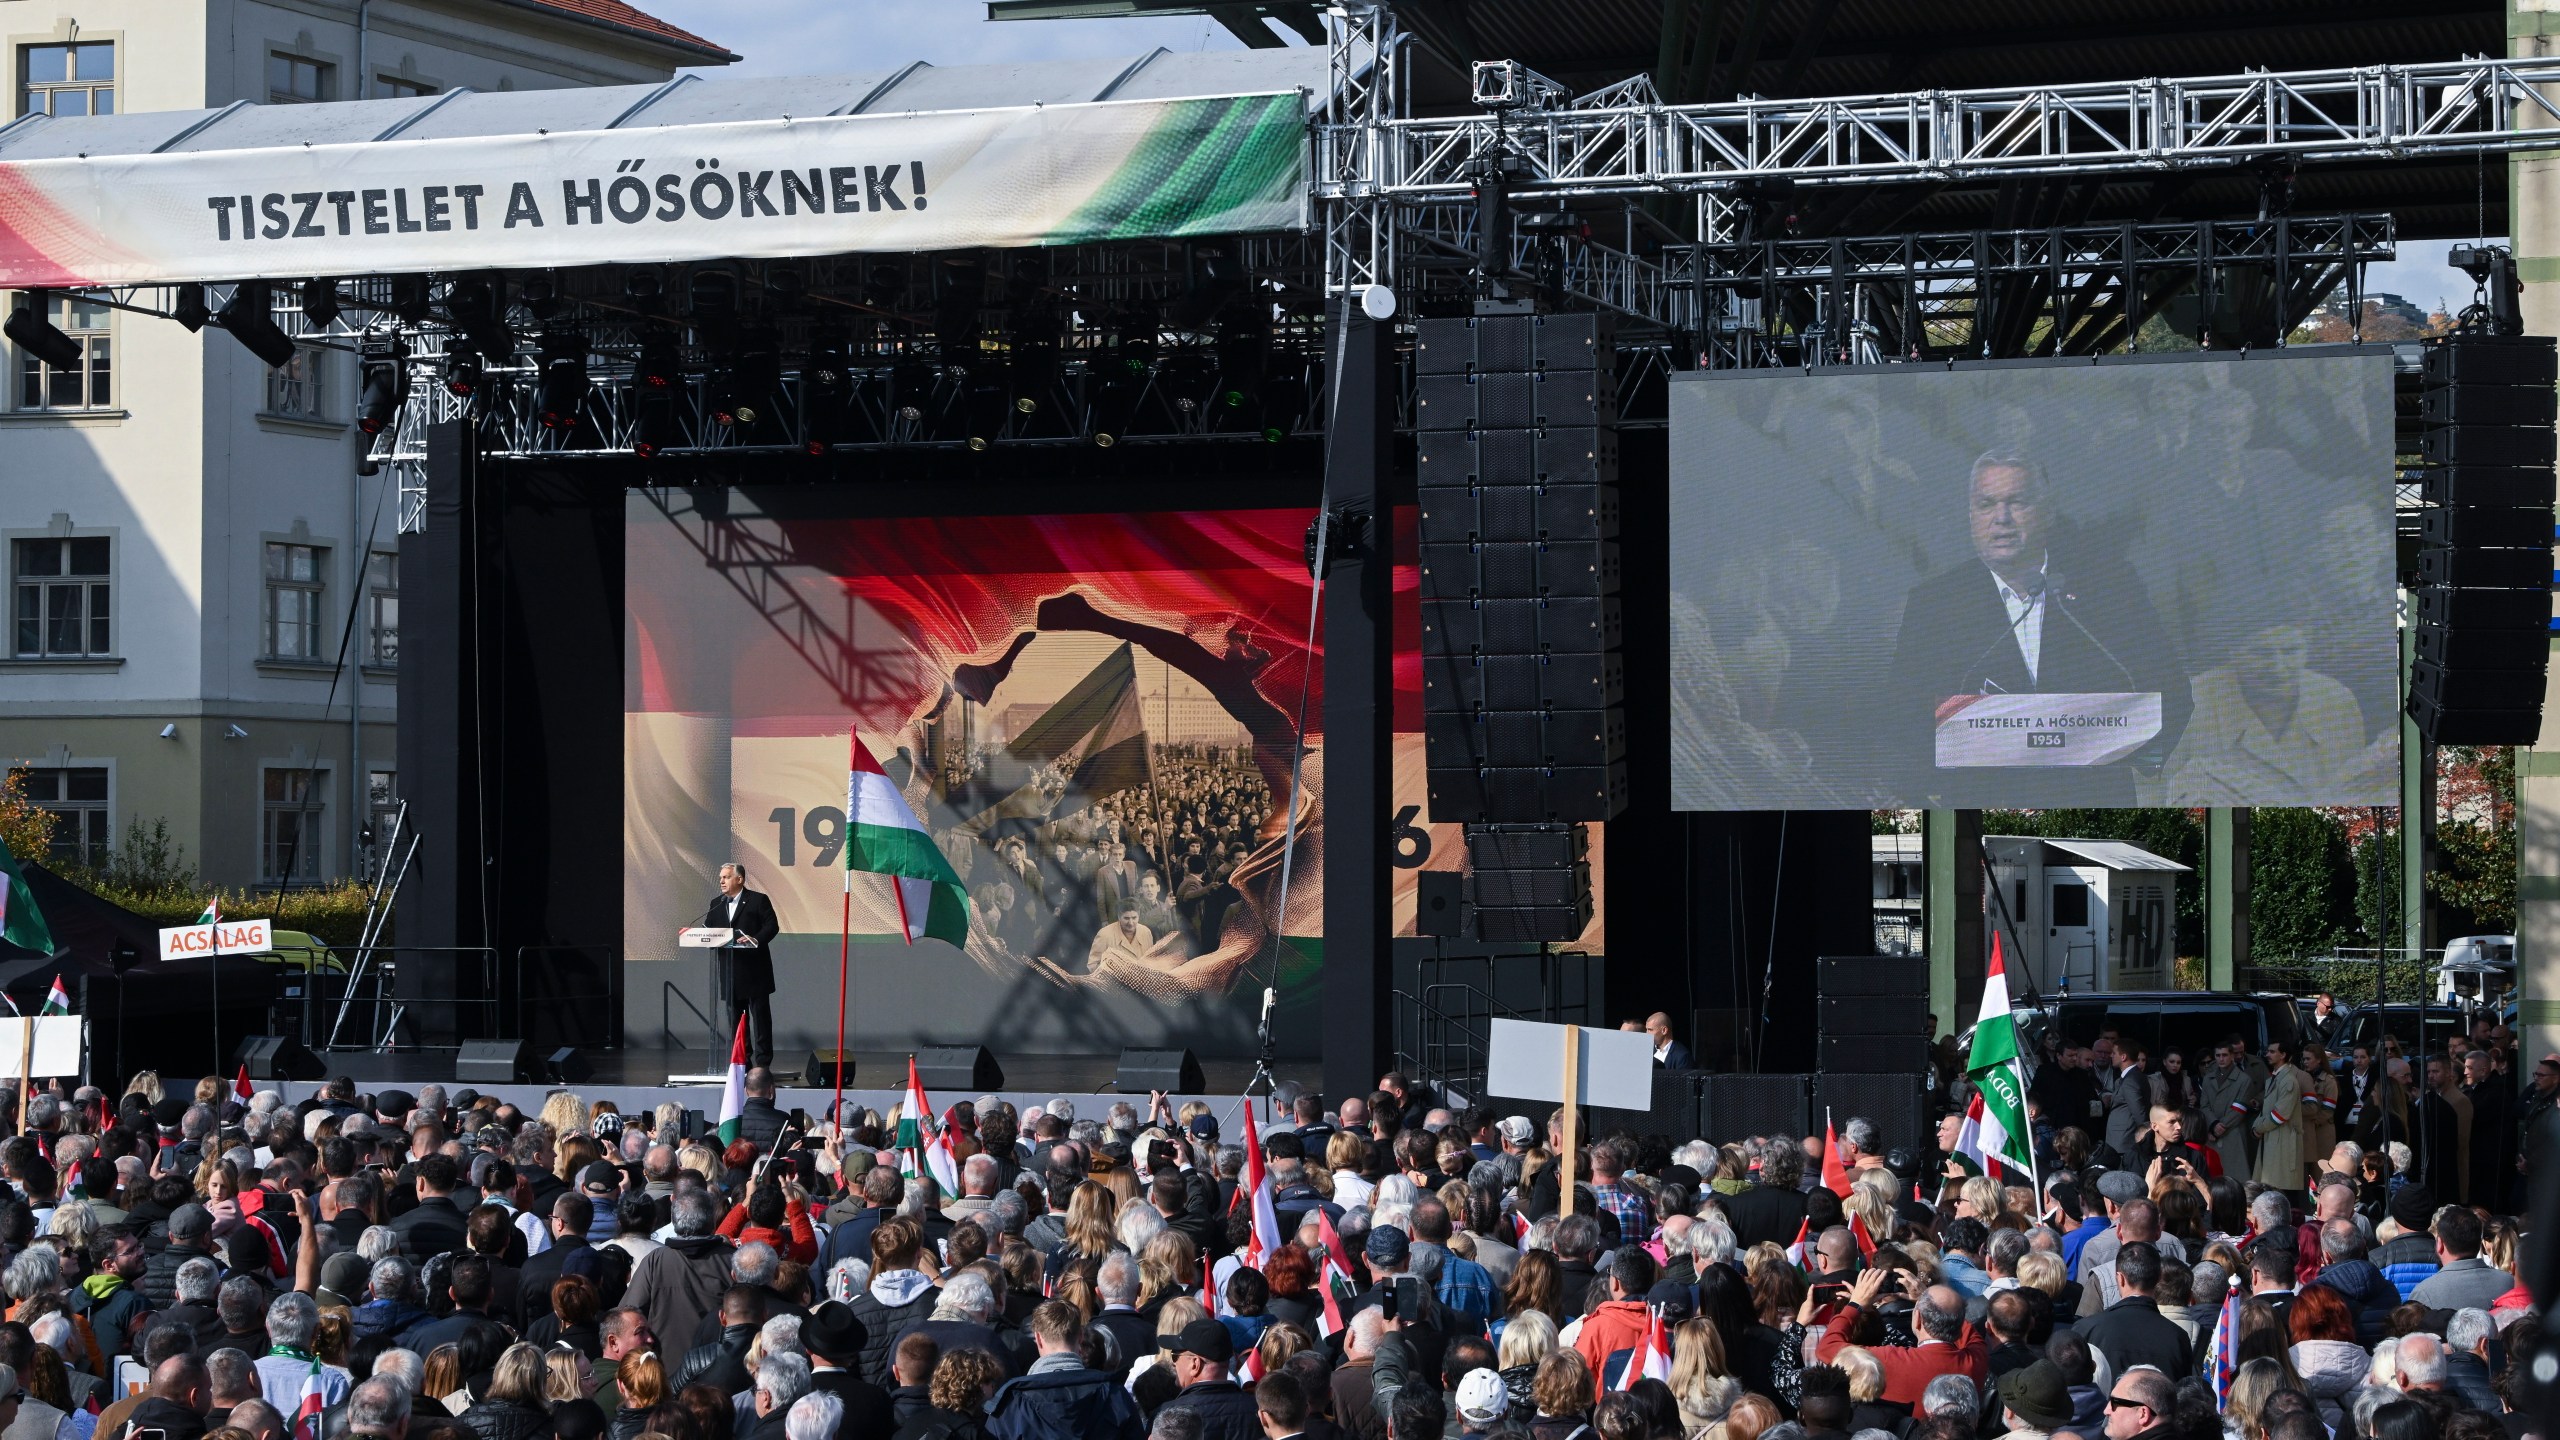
x=204 y=594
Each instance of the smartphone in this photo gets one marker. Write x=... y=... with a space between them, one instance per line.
x=1831 y=1288
x=1387 y=1301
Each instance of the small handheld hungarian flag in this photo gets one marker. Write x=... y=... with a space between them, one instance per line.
x=1866 y=1239
x=733 y=1095
x=1652 y=1360
x=1800 y=1254
x=883 y=836
x=240 y=1085
x=924 y=1147
x=306 y=1416
x=1333 y=1280
x=57 y=1001
x=1266 y=1239
x=1835 y=1176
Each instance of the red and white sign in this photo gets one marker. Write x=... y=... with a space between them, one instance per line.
x=228 y=937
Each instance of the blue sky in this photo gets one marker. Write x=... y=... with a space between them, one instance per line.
x=796 y=37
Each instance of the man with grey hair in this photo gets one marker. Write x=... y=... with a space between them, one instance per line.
x=2466 y=1359
x=1132 y=1334
x=680 y=1282
x=194 y=1285
x=292 y=1321
x=402 y=1364
x=392 y=1310
x=781 y=1379
x=2420 y=1360
x=977 y=1186
x=1953 y=1396
x=814 y=1416
x=1773 y=1209
x=964 y=1317
x=379 y=1408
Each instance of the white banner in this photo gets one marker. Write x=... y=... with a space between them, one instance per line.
x=2048 y=730
x=235 y=937
x=941 y=180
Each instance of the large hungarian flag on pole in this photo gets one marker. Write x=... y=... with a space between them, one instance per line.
x=733 y=1095
x=21 y=923
x=884 y=837
x=1995 y=1134
x=1265 y=1240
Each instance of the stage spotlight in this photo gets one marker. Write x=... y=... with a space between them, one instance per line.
x=644 y=290
x=989 y=404
x=461 y=370
x=319 y=303
x=661 y=362
x=1184 y=380
x=743 y=381
x=190 y=308
x=1114 y=390
x=911 y=387
x=542 y=301
x=561 y=392
x=249 y=316
x=653 y=421
x=712 y=296
x=409 y=298
x=385 y=363
x=31 y=332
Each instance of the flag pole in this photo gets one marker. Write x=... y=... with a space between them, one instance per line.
x=844 y=947
x=26 y=1066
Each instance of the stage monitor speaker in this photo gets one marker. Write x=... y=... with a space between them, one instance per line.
x=1845 y=1015
x=1175 y=1072
x=492 y=1062
x=1893 y=1102
x=277 y=1057
x=1871 y=975
x=1499 y=344
x=1874 y=1054
x=1732 y=1107
x=1458 y=459
x=958 y=1067
x=820 y=1072
x=565 y=1066
x=1440 y=903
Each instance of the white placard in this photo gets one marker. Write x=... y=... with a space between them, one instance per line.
x=1524 y=1060
x=57 y=1044
x=236 y=937
x=705 y=937
x=2048 y=731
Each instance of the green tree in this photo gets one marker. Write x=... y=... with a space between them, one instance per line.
x=2301 y=891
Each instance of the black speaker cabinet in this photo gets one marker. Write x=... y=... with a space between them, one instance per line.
x=1440 y=903
x=1733 y=1107
x=491 y=1062
x=565 y=1066
x=958 y=1067
x=1176 y=1072
x=1459 y=345
x=1844 y=1015
x=1893 y=1102
x=276 y=1057
x=1874 y=1054
x=820 y=1072
x=1526 y=847
x=1843 y=975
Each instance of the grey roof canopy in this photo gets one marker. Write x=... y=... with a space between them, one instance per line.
x=688 y=99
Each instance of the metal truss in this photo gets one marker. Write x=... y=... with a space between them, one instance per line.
x=2377 y=113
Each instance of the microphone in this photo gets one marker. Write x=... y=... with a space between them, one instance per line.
x=2052 y=585
x=2033 y=588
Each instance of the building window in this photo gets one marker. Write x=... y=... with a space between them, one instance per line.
x=381 y=805
x=382 y=610
x=65 y=599
x=88 y=386
x=393 y=87
x=290 y=827
x=67 y=79
x=77 y=800
x=293 y=601
x=298 y=387
x=292 y=80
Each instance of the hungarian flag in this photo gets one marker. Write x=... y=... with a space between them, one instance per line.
x=21 y=923
x=306 y=1416
x=1266 y=1239
x=2221 y=1351
x=57 y=1001
x=212 y=913
x=884 y=837
x=1995 y=1134
x=1249 y=1368
x=924 y=1148
x=1333 y=1279
x=240 y=1085
x=1652 y=1360
x=733 y=1095
x=1835 y=1176
x=1866 y=1241
x=1800 y=1254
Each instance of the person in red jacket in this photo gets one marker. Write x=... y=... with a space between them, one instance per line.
x=778 y=1215
x=1948 y=1346
x=1620 y=1322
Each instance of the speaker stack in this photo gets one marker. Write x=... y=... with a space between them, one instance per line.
x=1524 y=736
x=1872 y=1020
x=2484 y=598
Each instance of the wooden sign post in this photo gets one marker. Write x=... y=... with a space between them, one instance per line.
x=1574 y=1065
x=1572 y=1080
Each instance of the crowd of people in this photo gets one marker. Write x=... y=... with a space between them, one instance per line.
x=206 y=1266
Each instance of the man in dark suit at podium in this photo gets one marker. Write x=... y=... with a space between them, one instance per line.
x=746 y=965
x=2019 y=617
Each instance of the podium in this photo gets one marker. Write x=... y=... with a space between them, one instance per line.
x=714 y=941
x=2045 y=731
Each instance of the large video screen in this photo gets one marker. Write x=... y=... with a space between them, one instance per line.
x=2033 y=584
x=1096 y=715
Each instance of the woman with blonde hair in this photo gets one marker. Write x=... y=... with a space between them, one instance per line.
x=574 y=1154
x=642 y=1379
x=1866 y=1203
x=1700 y=1383
x=1528 y=1339
x=566 y=1375
x=566 y=1113
x=1088 y=1227
x=2041 y=1270
x=2243 y=1415
x=1346 y=1155
x=145 y=1083
x=702 y=1160
x=1278 y=1343
x=1167 y=1268
x=514 y=1407
x=210 y=1090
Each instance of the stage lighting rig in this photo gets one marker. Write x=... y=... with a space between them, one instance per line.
x=961 y=290
x=826 y=387
x=1214 y=278
x=409 y=298
x=319 y=303
x=645 y=291
x=249 y=316
x=30 y=330
x=989 y=403
x=462 y=370
x=2497 y=304
x=560 y=392
x=190 y=309
x=1116 y=386
x=383 y=357
x=712 y=297
x=911 y=387
x=744 y=380
x=660 y=366
x=477 y=306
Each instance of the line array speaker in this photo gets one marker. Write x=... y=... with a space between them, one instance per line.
x=1893 y=1102
x=1872 y=975
x=1528 y=882
x=2485 y=574
x=1731 y=1107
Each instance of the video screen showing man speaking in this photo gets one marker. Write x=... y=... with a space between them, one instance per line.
x=2035 y=585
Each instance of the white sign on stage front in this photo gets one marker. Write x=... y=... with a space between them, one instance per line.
x=705 y=937
x=57 y=1049
x=228 y=937
x=2044 y=731
x=1524 y=1060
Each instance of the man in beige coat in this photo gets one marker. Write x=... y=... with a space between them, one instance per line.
x=2278 y=1125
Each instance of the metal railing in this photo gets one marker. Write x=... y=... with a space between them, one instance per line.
x=389 y=1011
